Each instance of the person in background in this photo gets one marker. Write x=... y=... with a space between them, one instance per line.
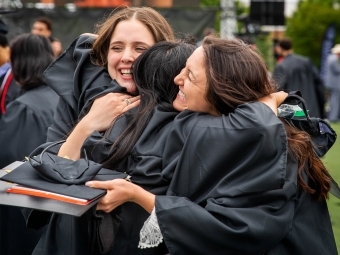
x=208 y=31
x=297 y=72
x=9 y=90
x=44 y=26
x=277 y=51
x=25 y=122
x=332 y=83
x=24 y=127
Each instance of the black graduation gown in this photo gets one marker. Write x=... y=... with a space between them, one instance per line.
x=23 y=127
x=234 y=191
x=76 y=92
x=296 y=72
x=77 y=81
x=201 y=201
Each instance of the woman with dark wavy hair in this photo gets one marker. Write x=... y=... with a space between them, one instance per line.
x=143 y=136
x=245 y=182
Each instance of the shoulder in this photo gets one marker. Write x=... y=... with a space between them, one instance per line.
x=248 y=115
x=40 y=99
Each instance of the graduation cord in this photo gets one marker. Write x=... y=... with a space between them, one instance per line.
x=4 y=88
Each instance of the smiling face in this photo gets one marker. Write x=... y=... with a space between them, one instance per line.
x=129 y=39
x=192 y=82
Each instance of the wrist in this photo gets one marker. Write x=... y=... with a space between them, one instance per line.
x=144 y=198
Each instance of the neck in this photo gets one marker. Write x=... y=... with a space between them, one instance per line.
x=287 y=52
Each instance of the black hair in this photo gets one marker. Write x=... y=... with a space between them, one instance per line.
x=154 y=72
x=286 y=44
x=47 y=21
x=3 y=40
x=30 y=56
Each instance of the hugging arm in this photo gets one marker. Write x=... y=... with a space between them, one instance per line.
x=231 y=189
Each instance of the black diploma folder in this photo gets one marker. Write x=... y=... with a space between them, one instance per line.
x=24 y=174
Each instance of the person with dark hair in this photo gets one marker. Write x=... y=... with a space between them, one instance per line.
x=84 y=75
x=297 y=72
x=44 y=26
x=269 y=199
x=9 y=90
x=149 y=138
x=24 y=127
x=32 y=112
x=208 y=31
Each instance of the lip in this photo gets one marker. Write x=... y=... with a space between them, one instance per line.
x=121 y=75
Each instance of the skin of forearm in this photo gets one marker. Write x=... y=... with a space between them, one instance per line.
x=144 y=198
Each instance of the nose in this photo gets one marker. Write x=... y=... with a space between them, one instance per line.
x=178 y=80
x=128 y=55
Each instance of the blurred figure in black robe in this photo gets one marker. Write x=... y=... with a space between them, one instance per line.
x=23 y=127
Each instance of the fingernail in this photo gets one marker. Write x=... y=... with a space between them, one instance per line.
x=89 y=184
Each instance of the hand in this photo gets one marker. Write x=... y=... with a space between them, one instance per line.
x=103 y=111
x=274 y=100
x=280 y=97
x=120 y=191
x=106 y=109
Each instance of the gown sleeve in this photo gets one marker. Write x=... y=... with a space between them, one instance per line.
x=230 y=191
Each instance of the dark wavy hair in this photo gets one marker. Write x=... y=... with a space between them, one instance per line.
x=154 y=72
x=237 y=74
x=30 y=56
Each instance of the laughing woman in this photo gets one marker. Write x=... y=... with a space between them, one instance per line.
x=245 y=182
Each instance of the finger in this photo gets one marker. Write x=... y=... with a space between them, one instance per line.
x=131 y=98
x=131 y=105
x=98 y=184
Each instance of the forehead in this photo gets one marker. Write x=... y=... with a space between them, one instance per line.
x=132 y=30
x=40 y=24
x=196 y=59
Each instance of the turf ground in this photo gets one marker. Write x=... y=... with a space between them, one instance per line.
x=332 y=162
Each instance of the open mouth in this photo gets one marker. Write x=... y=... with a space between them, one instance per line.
x=126 y=72
x=181 y=95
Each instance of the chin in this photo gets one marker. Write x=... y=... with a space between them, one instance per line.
x=130 y=88
x=179 y=106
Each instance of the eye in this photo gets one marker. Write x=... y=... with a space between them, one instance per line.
x=188 y=75
x=141 y=49
x=117 y=48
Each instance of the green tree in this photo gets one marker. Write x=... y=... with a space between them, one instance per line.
x=308 y=24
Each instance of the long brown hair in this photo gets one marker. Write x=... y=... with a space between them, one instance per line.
x=236 y=74
x=154 y=21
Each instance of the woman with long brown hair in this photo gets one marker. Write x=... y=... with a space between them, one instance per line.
x=245 y=182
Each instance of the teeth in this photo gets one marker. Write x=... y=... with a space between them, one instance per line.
x=126 y=71
x=181 y=95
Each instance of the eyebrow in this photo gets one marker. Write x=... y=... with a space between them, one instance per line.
x=134 y=43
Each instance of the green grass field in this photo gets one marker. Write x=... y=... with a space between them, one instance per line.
x=332 y=162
